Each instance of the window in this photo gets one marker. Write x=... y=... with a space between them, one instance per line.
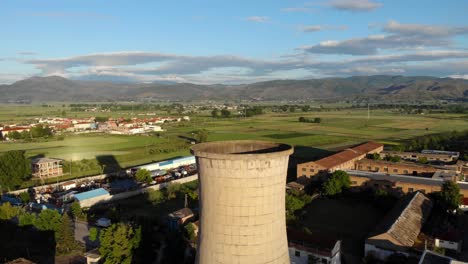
x=304 y=169
x=312 y=170
x=405 y=171
x=410 y=190
x=369 y=167
x=395 y=170
x=376 y=168
x=385 y=169
x=353 y=182
x=297 y=253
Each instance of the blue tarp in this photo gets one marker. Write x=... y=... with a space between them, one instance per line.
x=90 y=194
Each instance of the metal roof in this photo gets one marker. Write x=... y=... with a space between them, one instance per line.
x=91 y=194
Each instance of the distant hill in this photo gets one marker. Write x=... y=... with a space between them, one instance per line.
x=394 y=88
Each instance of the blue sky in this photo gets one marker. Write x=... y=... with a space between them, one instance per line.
x=231 y=42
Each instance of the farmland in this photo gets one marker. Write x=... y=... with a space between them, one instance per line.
x=336 y=129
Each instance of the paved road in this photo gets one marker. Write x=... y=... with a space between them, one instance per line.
x=82 y=234
x=464 y=224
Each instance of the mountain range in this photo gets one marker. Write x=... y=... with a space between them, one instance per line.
x=378 y=87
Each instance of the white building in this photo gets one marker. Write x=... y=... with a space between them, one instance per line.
x=313 y=248
x=451 y=240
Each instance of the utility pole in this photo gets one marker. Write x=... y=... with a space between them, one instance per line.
x=185 y=202
x=368 y=111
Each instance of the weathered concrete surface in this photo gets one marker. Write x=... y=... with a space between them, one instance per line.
x=242 y=218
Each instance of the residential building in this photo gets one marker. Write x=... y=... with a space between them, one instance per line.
x=313 y=248
x=340 y=161
x=4 y=133
x=46 y=167
x=398 y=232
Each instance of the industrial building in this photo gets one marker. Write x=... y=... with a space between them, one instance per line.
x=401 y=183
x=430 y=155
x=46 y=167
x=164 y=165
x=398 y=231
x=340 y=161
x=90 y=198
x=242 y=202
x=406 y=168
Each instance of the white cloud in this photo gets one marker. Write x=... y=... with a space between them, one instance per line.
x=354 y=5
x=258 y=19
x=437 y=31
x=297 y=9
x=316 y=28
x=399 y=36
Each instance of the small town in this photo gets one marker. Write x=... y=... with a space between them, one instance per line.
x=118 y=126
x=234 y=132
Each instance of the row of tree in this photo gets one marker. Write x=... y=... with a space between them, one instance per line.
x=38 y=131
x=46 y=220
x=316 y=120
x=453 y=141
x=14 y=169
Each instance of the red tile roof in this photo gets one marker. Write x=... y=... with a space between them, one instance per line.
x=348 y=154
x=15 y=128
x=367 y=147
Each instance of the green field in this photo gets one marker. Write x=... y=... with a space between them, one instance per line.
x=337 y=129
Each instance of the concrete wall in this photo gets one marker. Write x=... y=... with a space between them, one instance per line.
x=125 y=195
x=242 y=202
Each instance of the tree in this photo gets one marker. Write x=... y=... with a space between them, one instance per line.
x=296 y=201
x=93 y=233
x=155 y=196
x=215 y=113
x=317 y=120
x=173 y=189
x=392 y=158
x=101 y=119
x=302 y=119
x=225 y=113
x=337 y=182
x=190 y=229
x=76 y=210
x=118 y=242
x=305 y=108
x=26 y=219
x=374 y=156
x=450 y=196
x=422 y=160
x=48 y=220
x=14 y=169
x=25 y=197
x=202 y=135
x=65 y=238
x=143 y=175
x=7 y=211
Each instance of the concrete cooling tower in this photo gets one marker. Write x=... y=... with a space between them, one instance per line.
x=242 y=206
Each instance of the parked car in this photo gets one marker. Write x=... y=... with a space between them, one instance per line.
x=103 y=222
